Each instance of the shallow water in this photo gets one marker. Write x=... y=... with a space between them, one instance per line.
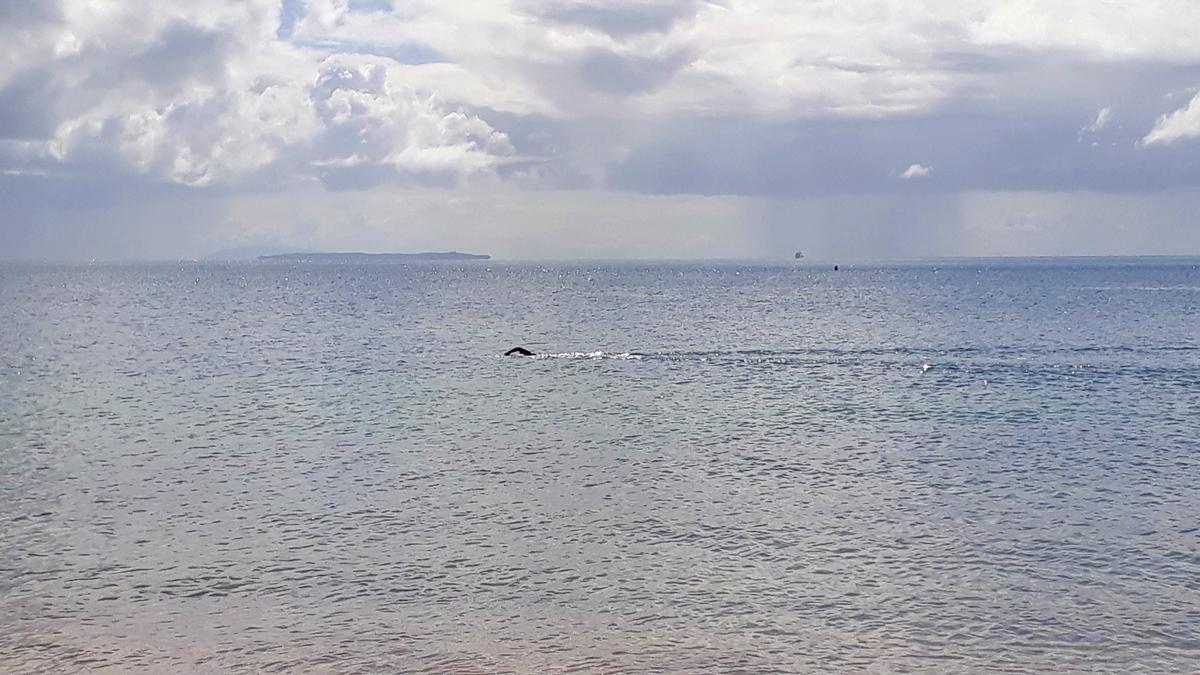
x=951 y=466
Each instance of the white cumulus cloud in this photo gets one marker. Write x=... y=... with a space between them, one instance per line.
x=915 y=171
x=208 y=94
x=1179 y=125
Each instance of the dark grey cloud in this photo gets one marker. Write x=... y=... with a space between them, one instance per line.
x=179 y=55
x=966 y=152
x=27 y=105
x=611 y=72
x=17 y=14
x=546 y=153
x=27 y=95
x=617 y=19
x=1024 y=130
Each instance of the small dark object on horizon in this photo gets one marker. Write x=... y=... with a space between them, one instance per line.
x=518 y=351
x=835 y=268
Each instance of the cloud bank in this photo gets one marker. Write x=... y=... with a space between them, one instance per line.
x=218 y=101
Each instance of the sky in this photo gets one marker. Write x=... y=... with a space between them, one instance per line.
x=542 y=129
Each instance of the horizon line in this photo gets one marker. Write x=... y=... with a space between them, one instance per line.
x=492 y=259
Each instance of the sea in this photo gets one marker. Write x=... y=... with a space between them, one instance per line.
x=951 y=466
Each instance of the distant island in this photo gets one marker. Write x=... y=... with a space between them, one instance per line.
x=373 y=257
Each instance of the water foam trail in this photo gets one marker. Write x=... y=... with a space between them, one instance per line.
x=761 y=355
x=593 y=356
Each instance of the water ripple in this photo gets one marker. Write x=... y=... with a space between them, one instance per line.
x=707 y=468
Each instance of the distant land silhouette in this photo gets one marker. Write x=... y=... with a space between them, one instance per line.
x=246 y=253
x=373 y=257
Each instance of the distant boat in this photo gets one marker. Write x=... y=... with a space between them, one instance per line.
x=799 y=255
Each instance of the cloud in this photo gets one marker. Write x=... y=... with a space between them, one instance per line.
x=1182 y=124
x=240 y=93
x=756 y=99
x=25 y=172
x=371 y=130
x=1101 y=122
x=27 y=107
x=210 y=96
x=610 y=71
x=615 y=19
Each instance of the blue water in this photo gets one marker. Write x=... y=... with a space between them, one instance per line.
x=951 y=466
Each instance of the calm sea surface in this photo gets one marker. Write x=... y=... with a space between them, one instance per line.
x=951 y=466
